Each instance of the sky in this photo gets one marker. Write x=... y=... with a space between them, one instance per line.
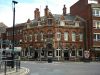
x=25 y=9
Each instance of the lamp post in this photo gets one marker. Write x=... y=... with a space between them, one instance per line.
x=13 y=2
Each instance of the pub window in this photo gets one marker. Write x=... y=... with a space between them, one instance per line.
x=49 y=53
x=80 y=53
x=73 y=53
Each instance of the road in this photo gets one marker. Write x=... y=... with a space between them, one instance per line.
x=60 y=68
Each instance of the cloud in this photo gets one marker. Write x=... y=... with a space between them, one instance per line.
x=25 y=10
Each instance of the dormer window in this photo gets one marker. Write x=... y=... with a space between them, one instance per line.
x=62 y=23
x=77 y=24
x=39 y=23
x=49 y=21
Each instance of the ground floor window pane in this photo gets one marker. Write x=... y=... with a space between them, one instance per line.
x=73 y=53
x=49 y=53
x=80 y=53
x=56 y=52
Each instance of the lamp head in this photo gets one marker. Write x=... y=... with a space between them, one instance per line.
x=15 y=2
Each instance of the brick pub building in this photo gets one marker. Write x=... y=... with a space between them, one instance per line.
x=90 y=11
x=59 y=37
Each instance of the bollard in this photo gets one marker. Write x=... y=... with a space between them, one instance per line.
x=5 y=69
x=16 y=66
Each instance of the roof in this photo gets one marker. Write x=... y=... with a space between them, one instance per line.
x=69 y=17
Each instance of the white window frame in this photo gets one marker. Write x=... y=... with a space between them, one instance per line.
x=62 y=23
x=96 y=37
x=66 y=36
x=73 y=36
x=58 y=36
x=42 y=36
x=95 y=24
x=35 y=35
x=81 y=37
x=77 y=23
x=39 y=23
x=57 y=52
x=95 y=12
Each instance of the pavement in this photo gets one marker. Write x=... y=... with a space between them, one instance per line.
x=21 y=71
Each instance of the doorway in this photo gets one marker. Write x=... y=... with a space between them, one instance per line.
x=66 y=55
x=35 y=55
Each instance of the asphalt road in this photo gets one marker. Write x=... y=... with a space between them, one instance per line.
x=66 y=68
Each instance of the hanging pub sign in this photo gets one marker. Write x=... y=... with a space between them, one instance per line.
x=86 y=54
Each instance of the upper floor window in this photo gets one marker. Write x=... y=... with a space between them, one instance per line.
x=66 y=36
x=41 y=36
x=35 y=37
x=30 y=38
x=96 y=24
x=97 y=37
x=96 y=12
x=58 y=36
x=81 y=37
x=73 y=36
x=25 y=38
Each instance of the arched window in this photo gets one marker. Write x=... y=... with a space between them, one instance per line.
x=66 y=36
x=58 y=36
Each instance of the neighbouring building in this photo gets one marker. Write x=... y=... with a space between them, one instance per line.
x=18 y=32
x=2 y=34
x=90 y=11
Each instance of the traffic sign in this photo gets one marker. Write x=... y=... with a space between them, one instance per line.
x=86 y=54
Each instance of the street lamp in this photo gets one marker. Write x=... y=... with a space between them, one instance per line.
x=13 y=2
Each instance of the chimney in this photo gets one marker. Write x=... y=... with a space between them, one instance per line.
x=36 y=14
x=46 y=11
x=64 y=10
x=28 y=21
